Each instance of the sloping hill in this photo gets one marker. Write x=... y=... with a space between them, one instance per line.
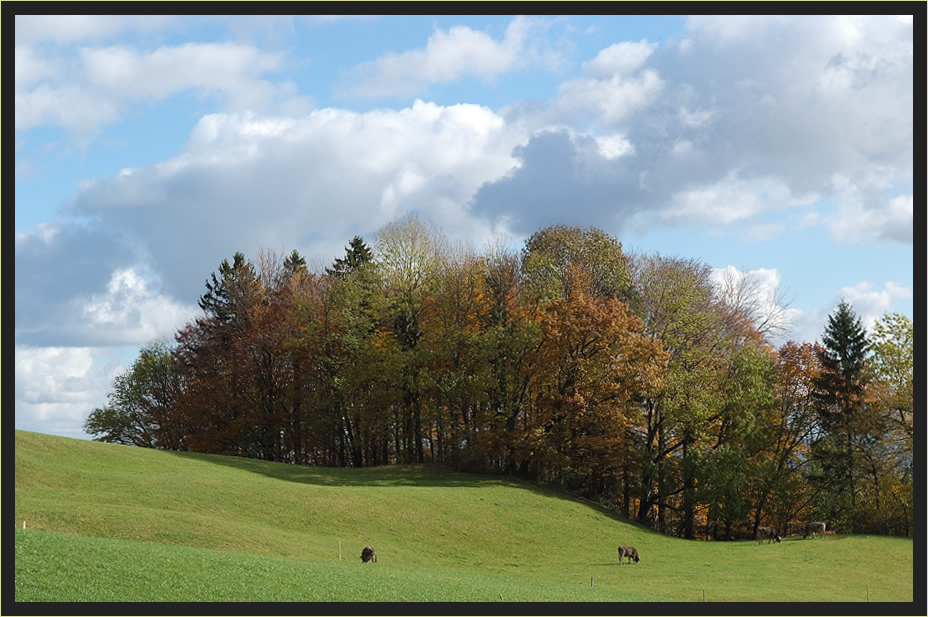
x=419 y=519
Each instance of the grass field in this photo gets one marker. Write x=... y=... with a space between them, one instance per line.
x=114 y=523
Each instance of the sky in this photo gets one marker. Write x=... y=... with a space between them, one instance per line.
x=150 y=148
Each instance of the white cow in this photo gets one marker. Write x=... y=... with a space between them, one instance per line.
x=814 y=528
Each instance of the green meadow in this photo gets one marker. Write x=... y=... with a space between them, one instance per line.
x=114 y=523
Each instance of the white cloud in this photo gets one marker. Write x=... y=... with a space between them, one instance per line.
x=468 y=140
x=68 y=293
x=406 y=181
x=29 y=67
x=73 y=107
x=682 y=147
x=63 y=29
x=870 y=304
x=731 y=30
x=867 y=302
x=243 y=182
x=614 y=146
x=730 y=200
x=614 y=85
x=619 y=59
x=808 y=325
x=307 y=183
x=784 y=116
x=853 y=222
x=448 y=56
x=864 y=214
x=46 y=232
x=129 y=313
x=695 y=119
x=57 y=387
x=224 y=67
x=91 y=87
x=768 y=298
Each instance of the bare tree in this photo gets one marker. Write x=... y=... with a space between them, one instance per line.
x=753 y=297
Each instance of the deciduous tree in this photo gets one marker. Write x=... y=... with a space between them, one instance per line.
x=142 y=403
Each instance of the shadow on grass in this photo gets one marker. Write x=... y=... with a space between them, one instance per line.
x=424 y=475
x=386 y=475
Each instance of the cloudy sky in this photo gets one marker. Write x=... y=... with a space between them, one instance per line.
x=149 y=149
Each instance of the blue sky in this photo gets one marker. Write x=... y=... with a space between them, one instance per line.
x=149 y=149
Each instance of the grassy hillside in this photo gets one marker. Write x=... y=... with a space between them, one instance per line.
x=130 y=523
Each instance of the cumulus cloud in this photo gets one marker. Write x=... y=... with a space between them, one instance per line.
x=73 y=107
x=128 y=312
x=55 y=263
x=126 y=72
x=73 y=287
x=57 y=387
x=246 y=182
x=619 y=59
x=868 y=301
x=448 y=56
x=729 y=200
x=832 y=99
x=614 y=84
x=84 y=90
x=722 y=131
x=732 y=30
x=614 y=146
x=871 y=303
x=560 y=171
x=864 y=213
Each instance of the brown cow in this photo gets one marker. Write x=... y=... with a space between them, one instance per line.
x=628 y=551
x=368 y=554
x=814 y=528
x=767 y=533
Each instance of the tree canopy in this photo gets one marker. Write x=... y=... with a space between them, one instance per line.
x=635 y=381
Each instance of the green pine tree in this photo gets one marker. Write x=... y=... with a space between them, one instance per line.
x=844 y=433
x=357 y=253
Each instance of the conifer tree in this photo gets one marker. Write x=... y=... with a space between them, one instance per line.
x=843 y=428
x=357 y=253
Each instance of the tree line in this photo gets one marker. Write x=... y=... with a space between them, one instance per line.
x=635 y=381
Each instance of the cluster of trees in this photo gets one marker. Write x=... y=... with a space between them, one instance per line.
x=634 y=381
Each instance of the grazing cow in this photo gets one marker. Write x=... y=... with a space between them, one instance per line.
x=767 y=533
x=814 y=528
x=628 y=551
x=368 y=554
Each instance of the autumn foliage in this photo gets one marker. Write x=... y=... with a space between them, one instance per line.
x=630 y=381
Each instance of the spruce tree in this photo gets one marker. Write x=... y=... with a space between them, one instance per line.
x=357 y=253
x=219 y=300
x=839 y=394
